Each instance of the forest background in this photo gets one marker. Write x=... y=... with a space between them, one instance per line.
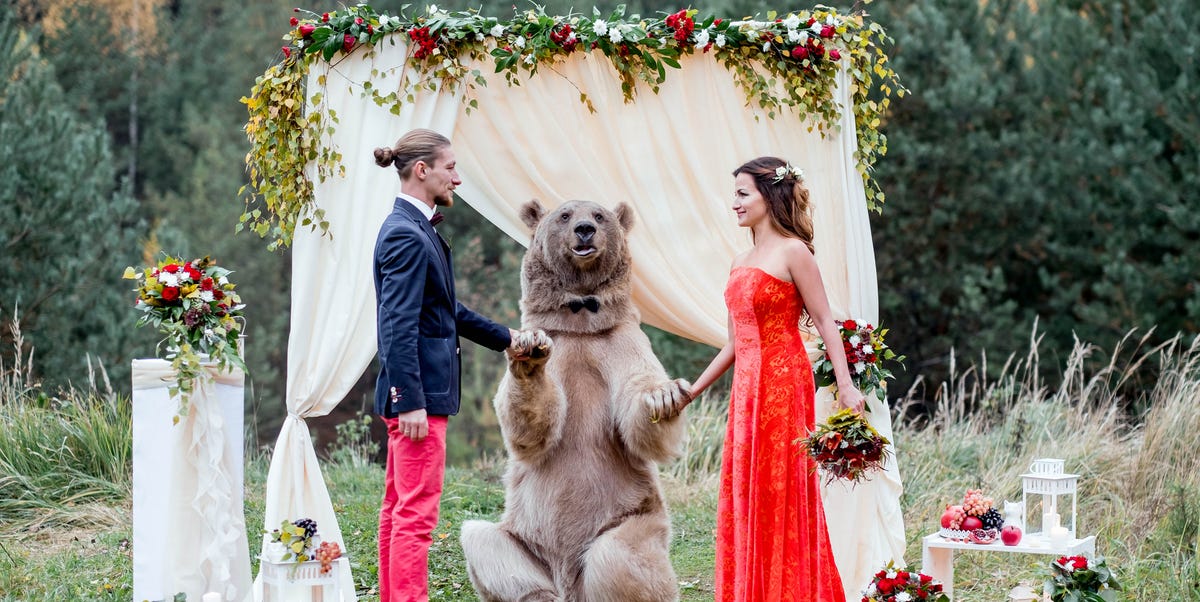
x=1041 y=177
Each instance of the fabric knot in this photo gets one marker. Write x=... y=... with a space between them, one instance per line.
x=436 y=219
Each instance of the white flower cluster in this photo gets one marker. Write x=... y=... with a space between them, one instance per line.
x=783 y=171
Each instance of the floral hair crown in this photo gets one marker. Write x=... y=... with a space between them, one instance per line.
x=787 y=169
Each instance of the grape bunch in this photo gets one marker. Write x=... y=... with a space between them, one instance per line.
x=992 y=519
x=309 y=525
x=327 y=552
x=975 y=504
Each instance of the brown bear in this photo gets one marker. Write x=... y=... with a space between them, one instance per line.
x=585 y=424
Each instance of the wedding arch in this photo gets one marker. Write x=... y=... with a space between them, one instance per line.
x=655 y=112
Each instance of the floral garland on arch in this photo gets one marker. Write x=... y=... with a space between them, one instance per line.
x=785 y=62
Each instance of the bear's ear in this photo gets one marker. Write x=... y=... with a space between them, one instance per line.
x=625 y=216
x=531 y=213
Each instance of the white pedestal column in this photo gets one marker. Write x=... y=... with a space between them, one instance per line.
x=189 y=525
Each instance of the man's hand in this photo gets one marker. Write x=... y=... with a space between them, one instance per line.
x=414 y=424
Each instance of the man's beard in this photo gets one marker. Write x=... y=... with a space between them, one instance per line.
x=444 y=201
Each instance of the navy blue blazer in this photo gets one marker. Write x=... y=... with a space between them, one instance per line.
x=419 y=319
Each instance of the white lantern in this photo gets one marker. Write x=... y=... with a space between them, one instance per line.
x=290 y=580
x=1048 y=486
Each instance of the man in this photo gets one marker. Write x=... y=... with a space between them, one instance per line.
x=418 y=388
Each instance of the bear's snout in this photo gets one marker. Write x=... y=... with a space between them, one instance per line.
x=585 y=231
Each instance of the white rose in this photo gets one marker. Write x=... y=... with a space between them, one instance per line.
x=519 y=42
x=600 y=27
x=497 y=30
x=208 y=333
x=614 y=35
x=766 y=46
x=168 y=279
x=854 y=340
x=432 y=8
x=792 y=22
x=903 y=597
x=720 y=40
x=891 y=574
x=479 y=37
x=702 y=37
x=206 y=296
x=816 y=28
x=803 y=38
x=829 y=20
x=793 y=36
x=860 y=368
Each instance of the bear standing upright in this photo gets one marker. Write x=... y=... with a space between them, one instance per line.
x=585 y=425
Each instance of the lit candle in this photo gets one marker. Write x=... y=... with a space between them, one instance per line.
x=1058 y=536
x=1050 y=521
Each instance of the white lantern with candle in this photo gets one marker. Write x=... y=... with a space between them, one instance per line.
x=1049 y=486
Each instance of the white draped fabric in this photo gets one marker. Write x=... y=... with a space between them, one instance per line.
x=189 y=528
x=669 y=155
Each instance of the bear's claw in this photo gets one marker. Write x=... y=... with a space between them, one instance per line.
x=668 y=401
x=530 y=346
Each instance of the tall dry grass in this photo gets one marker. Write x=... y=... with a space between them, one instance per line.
x=65 y=459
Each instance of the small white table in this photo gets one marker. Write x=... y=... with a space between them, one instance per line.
x=937 y=554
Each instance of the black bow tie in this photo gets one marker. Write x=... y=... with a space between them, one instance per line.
x=591 y=303
x=436 y=219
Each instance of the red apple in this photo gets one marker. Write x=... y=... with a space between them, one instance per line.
x=971 y=523
x=951 y=514
x=1010 y=535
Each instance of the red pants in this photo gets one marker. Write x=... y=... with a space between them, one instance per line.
x=413 y=488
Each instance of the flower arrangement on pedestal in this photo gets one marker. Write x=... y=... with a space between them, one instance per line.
x=194 y=306
x=299 y=540
x=866 y=353
x=1080 y=579
x=895 y=585
x=846 y=447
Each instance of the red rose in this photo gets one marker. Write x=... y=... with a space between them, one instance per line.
x=193 y=272
x=902 y=575
x=206 y=284
x=307 y=29
x=287 y=52
x=810 y=23
x=325 y=17
x=170 y=293
x=717 y=22
x=218 y=294
x=799 y=52
x=835 y=55
x=294 y=21
x=370 y=29
x=850 y=325
x=171 y=268
x=926 y=578
x=358 y=20
x=1080 y=563
x=348 y=42
x=827 y=31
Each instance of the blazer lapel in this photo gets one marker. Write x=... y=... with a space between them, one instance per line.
x=435 y=240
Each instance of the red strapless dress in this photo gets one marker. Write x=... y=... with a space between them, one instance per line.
x=772 y=543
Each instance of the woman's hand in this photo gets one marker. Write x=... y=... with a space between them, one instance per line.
x=850 y=397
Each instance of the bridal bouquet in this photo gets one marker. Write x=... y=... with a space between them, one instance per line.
x=894 y=585
x=865 y=354
x=193 y=304
x=846 y=447
x=1080 y=579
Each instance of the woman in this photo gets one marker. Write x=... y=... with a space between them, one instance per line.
x=772 y=543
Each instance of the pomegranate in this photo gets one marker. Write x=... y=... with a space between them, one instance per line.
x=971 y=523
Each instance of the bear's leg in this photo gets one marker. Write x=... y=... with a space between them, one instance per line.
x=631 y=564
x=501 y=569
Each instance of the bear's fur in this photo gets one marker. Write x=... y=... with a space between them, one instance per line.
x=584 y=423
